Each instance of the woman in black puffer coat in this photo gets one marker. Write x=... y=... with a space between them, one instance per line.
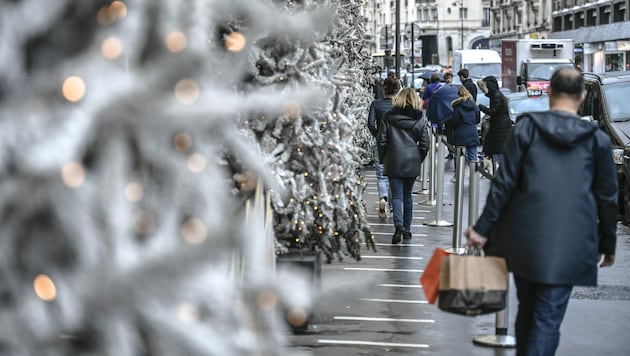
x=403 y=143
x=500 y=122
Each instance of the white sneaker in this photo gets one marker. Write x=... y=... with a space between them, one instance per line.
x=382 y=209
x=454 y=179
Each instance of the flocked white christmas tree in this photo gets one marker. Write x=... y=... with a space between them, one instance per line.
x=312 y=147
x=122 y=196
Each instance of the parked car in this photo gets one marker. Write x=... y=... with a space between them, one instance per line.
x=522 y=102
x=606 y=98
x=517 y=102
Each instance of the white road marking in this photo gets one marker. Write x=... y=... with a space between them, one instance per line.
x=400 y=285
x=390 y=224
x=395 y=257
x=390 y=234
x=362 y=318
x=415 y=217
x=381 y=269
x=410 y=245
x=372 y=343
x=404 y=301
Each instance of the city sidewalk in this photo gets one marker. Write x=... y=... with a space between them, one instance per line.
x=376 y=306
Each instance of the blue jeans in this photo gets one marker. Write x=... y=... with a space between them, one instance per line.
x=541 y=308
x=382 y=182
x=471 y=154
x=497 y=159
x=402 y=201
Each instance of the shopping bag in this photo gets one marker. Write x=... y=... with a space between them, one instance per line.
x=430 y=279
x=472 y=285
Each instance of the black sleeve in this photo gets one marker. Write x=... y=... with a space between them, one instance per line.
x=507 y=177
x=372 y=120
x=382 y=139
x=423 y=138
x=605 y=187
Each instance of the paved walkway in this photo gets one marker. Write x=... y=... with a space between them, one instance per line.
x=376 y=306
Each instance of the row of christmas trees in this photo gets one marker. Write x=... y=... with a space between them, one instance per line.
x=132 y=134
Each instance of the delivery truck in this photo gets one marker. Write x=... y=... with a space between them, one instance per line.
x=527 y=64
x=479 y=62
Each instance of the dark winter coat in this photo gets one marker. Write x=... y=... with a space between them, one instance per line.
x=472 y=88
x=378 y=108
x=500 y=122
x=553 y=205
x=403 y=142
x=463 y=123
x=378 y=88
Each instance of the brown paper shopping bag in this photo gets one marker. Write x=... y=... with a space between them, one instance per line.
x=472 y=285
x=430 y=279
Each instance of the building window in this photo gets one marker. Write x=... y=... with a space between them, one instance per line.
x=604 y=15
x=614 y=62
x=579 y=19
x=434 y=14
x=485 y=20
x=591 y=17
x=619 y=12
x=463 y=13
x=557 y=24
x=568 y=22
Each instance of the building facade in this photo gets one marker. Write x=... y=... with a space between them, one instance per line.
x=441 y=26
x=513 y=19
x=601 y=30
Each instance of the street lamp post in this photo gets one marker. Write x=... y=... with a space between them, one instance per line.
x=397 y=41
x=460 y=3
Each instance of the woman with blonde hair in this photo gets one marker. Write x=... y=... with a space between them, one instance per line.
x=463 y=121
x=403 y=143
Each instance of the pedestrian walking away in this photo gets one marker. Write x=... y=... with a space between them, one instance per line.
x=403 y=143
x=431 y=88
x=551 y=211
x=378 y=108
x=462 y=124
x=464 y=76
x=500 y=123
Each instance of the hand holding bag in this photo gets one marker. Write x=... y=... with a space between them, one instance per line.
x=472 y=285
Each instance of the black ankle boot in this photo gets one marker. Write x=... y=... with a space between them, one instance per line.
x=397 y=238
x=406 y=235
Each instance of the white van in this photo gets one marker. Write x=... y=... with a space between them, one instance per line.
x=479 y=62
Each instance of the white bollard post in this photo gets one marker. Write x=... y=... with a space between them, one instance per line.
x=431 y=164
x=439 y=182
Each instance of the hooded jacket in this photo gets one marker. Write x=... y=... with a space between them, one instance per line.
x=472 y=88
x=553 y=204
x=403 y=142
x=500 y=122
x=463 y=123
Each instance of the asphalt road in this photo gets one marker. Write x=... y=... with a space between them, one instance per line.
x=377 y=307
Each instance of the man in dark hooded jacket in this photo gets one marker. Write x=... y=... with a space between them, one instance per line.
x=551 y=211
x=500 y=122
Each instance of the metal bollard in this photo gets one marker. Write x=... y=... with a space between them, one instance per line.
x=424 y=176
x=473 y=193
x=439 y=183
x=500 y=338
x=456 y=246
x=431 y=158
